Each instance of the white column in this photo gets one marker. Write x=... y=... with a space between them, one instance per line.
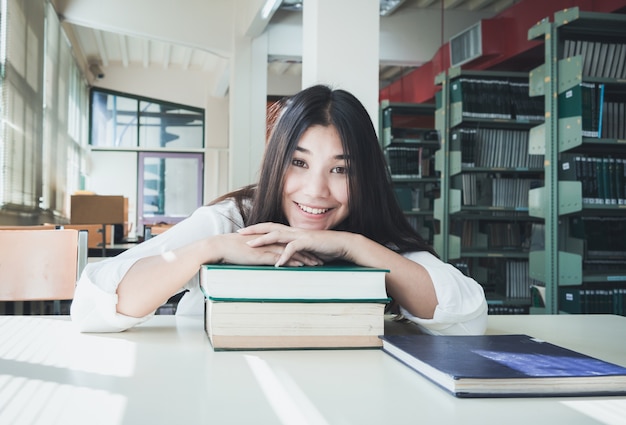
x=248 y=97
x=340 y=47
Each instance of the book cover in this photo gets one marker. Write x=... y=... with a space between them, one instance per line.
x=505 y=366
x=269 y=283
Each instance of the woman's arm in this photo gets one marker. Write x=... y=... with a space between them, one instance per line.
x=122 y=291
x=152 y=280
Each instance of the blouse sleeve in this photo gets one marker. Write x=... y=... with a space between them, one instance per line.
x=462 y=308
x=94 y=308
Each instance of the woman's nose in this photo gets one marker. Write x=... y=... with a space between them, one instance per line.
x=317 y=184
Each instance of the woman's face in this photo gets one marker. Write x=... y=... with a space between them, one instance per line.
x=315 y=194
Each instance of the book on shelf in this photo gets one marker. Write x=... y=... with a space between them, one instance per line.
x=498 y=98
x=592 y=299
x=583 y=100
x=405 y=160
x=505 y=366
x=266 y=307
x=599 y=58
x=602 y=178
x=495 y=148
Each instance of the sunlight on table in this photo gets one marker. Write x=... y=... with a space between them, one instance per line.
x=289 y=402
x=38 y=354
x=38 y=342
x=609 y=412
x=33 y=401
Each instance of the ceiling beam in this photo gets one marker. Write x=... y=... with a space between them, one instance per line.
x=124 y=50
x=425 y=3
x=187 y=58
x=451 y=4
x=279 y=67
x=145 y=49
x=167 y=54
x=102 y=51
x=478 y=4
x=499 y=6
x=262 y=17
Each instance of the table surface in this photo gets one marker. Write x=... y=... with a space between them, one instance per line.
x=165 y=372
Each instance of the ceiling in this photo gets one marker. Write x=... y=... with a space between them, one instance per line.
x=104 y=49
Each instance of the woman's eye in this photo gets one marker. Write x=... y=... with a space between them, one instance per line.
x=339 y=170
x=298 y=163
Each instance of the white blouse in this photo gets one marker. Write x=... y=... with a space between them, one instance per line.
x=462 y=308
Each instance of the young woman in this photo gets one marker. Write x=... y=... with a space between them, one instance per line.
x=324 y=194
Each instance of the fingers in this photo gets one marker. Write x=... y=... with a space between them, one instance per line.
x=288 y=252
x=292 y=252
x=266 y=239
x=278 y=256
x=303 y=257
x=257 y=229
x=238 y=249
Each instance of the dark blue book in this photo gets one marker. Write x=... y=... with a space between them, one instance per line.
x=505 y=366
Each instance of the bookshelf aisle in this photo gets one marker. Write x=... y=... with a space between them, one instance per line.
x=484 y=118
x=581 y=254
x=409 y=141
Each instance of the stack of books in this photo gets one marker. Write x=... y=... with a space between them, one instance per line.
x=266 y=307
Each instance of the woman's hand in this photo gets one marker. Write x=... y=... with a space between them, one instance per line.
x=236 y=249
x=324 y=245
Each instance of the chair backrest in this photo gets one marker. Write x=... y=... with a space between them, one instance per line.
x=40 y=264
x=33 y=227
x=94 y=233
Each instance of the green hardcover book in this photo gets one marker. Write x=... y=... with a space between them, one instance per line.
x=611 y=192
x=269 y=283
x=572 y=300
x=581 y=101
x=620 y=181
x=600 y=178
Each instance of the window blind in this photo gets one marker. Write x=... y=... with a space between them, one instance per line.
x=43 y=116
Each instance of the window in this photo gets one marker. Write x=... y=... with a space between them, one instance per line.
x=114 y=121
x=165 y=140
x=42 y=118
x=122 y=121
x=170 y=186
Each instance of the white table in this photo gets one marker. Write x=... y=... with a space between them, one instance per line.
x=165 y=372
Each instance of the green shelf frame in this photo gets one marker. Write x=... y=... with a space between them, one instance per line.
x=556 y=199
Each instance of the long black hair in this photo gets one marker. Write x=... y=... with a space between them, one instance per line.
x=374 y=210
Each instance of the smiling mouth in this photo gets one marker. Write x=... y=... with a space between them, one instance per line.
x=310 y=210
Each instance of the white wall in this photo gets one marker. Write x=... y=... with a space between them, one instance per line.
x=187 y=87
x=115 y=173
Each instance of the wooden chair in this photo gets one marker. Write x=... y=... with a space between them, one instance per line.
x=41 y=265
x=94 y=233
x=151 y=230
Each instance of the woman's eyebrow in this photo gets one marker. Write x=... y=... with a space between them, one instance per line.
x=308 y=152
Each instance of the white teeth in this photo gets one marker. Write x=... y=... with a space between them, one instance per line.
x=312 y=210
